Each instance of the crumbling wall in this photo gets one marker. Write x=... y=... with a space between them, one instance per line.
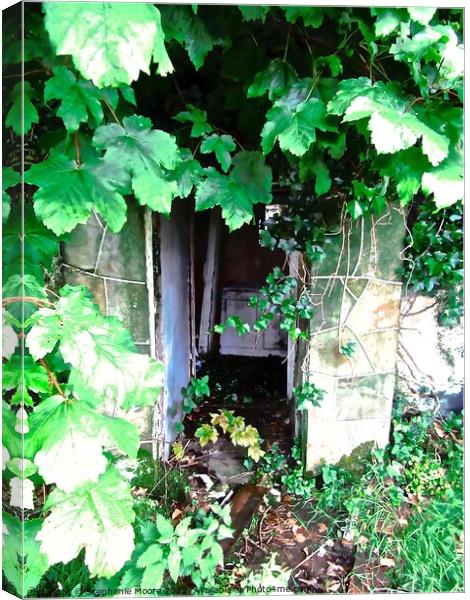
x=117 y=269
x=356 y=293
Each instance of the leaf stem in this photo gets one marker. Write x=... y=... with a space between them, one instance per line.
x=77 y=147
x=52 y=376
x=110 y=108
x=286 y=48
x=418 y=99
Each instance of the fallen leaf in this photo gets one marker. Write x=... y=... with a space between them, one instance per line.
x=176 y=513
x=322 y=527
x=387 y=562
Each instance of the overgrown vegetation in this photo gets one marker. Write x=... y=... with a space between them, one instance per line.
x=336 y=112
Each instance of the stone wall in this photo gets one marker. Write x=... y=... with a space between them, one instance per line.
x=356 y=294
x=115 y=268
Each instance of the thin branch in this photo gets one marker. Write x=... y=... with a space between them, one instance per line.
x=31 y=299
x=52 y=376
x=287 y=44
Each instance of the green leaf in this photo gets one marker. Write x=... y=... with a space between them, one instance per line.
x=27 y=240
x=152 y=578
x=392 y=124
x=28 y=374
x=348 y=90
x=248 y=183
x=153 y=554
x=294 y=129
x=21 y=467
x=446 y=182
x=388 y=20
x=206 y=433
x=254 y=13
x=23 y=563
x=275 y=80
x=12 y=440
x=406 y=169
x=16 y=286
x=187 y=174
x=69 y=191
x=10 y=178
x=309 y=167
x=422 y=15
x=222 y=146
x=310 y=16
x=174 y=561
x=182 y=25
x=110 y=43
x=197 y=117
x=97 y=517
x=165 y=528
x=78 y=98
x=21 y=112
x=105 y=360
x=146 y=155
x=354 y=208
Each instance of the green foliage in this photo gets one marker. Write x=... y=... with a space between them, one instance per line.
x=22 y=113
x=222 y=146
x=195 y=392
x=78 y=98
x=240 y=433
x=191 y=548
x=248 y=183
x=197 y=117
x=277 y=298
x=102 y=36
x=307 y=395
x=10 y=178
x=434 y=259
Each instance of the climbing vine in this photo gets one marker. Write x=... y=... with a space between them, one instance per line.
x=326 y=111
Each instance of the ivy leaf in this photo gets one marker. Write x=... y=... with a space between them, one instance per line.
x=109 y=43
x=275 y=80
x=23 y=563
x=254 y=13
x=21 y=111
x=294 y=129
x=248 y=183
x=106 y=363
x=446 y=182
x=97 y=517
x=146 y=155
x=197 y=117
x=10 y=178
x=206 y=433
x=312 y=17
x=221 y=145
x=78 y=98
x=68 y=192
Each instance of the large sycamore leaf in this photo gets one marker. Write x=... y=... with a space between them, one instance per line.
x=248 y=183
x=294 y=128
x=146 y=155
x=406 y=169
x=110 y=42
x=23 y=563
x=97 y=517
x=106 y=364
x=312 y=17
x=254 y=13
x=10 y=178
x=68 y=192
x=78 y=98
x=392 y=123
x=67 y=439
x=446 y=182
x=22 y=111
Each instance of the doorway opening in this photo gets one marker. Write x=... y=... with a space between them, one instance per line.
x=208 y=274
